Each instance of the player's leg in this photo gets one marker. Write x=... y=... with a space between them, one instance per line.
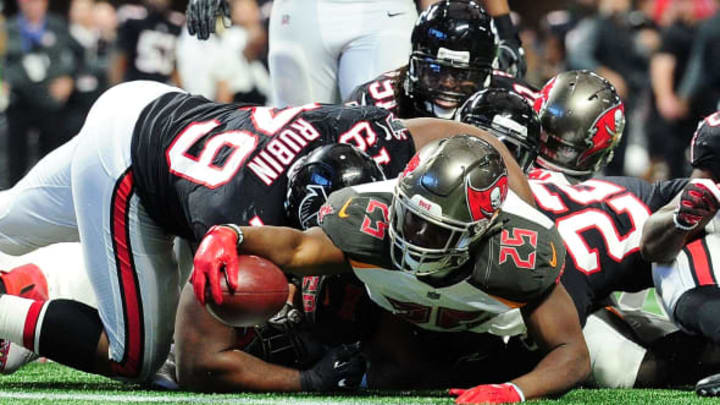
x=302 y=67
x=382 y=41
x=689 y=287
x=136 y=307
x=39 y=209
x=56 y=271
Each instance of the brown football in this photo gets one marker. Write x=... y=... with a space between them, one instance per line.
x=261 y=293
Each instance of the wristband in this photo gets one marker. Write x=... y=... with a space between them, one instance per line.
x=680 y=226
x=518 y=390
x=238 y=232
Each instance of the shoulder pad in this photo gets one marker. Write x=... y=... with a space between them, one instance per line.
x=357 y=221
x=521 y=261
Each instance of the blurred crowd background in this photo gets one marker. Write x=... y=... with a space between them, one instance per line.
x=51 y=75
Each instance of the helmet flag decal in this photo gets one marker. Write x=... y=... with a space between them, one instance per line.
x=483 y=203
x=606 y=131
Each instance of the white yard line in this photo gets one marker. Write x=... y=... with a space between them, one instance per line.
x=186 y=399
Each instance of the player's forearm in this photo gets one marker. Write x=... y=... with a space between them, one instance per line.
x=299 y=252
x=235 y=370
x=661 y=240
x=275 y=243
x=560 y=370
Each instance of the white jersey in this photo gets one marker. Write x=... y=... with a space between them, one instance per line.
x=483 y=296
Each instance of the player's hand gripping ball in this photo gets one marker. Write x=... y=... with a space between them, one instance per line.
x=262 y=290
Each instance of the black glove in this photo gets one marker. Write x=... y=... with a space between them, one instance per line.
x=699 y=200
x=287 y=318
x=342 y=367
x=511 y=56
x=201 y=16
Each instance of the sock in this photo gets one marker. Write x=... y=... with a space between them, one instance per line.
x=69 y=334
x=18 y=320
x=65 y=331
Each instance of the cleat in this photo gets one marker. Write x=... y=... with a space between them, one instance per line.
x=26 y=281
x=708 y=386
x=164 y=379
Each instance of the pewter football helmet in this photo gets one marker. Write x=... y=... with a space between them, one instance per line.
x=447 y=197
x=582 y=121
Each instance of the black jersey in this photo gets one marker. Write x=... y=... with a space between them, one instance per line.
x=601 y=221
x=383 y=92
x=519 y=262
x=197 y=163
x=148 y=39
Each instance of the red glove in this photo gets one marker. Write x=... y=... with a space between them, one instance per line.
x=488 y=394
x=699 y=200
x=217 y=253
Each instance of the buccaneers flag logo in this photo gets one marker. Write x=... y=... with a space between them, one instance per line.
x=483 y=202
x=605 y=131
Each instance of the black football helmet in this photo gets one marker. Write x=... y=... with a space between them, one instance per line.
x=705 y=146
x=582 y=120
x=326 y=169
x=454 y=50
x=447 y=198
x=509 y=117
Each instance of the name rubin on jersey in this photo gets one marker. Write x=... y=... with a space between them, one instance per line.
x=280 y=153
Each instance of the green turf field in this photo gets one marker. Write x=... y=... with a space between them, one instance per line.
x=50 y=383
x=53 y=384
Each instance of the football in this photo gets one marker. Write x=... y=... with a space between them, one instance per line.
x=261 y=293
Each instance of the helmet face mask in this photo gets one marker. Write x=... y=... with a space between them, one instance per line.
x=443 y=84
x=432 y=225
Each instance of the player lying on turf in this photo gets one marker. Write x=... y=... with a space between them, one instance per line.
x=683 y=238
x=435 y=248
x=290 y=353
x=152 y=163
x=627 y=348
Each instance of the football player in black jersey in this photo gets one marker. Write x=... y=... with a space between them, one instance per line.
x=454 y=54
x=152 y=163
x=434 y=248
x=683 y=238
